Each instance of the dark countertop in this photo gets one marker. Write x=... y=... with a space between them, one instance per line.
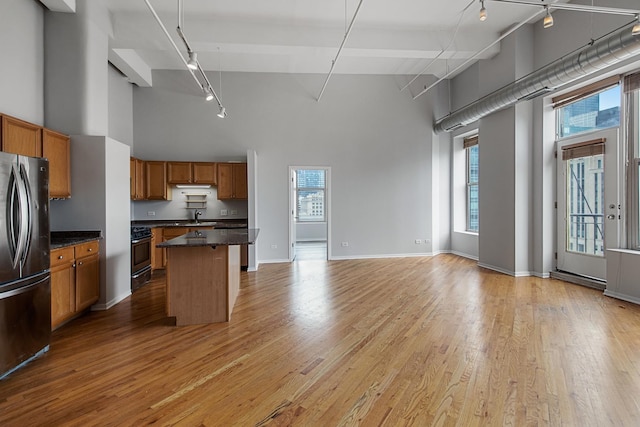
x=215 y=237
x=61 y=239
x=217 y=223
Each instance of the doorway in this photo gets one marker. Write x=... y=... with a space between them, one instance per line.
x=588 y=214
x=309 y=213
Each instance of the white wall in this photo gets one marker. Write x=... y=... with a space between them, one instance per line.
x=77 y=87
x=120 y=107
x=376 y=139
x=100 y=201
x=22 y=65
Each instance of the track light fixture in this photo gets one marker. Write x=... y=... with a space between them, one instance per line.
x=547 y=22
x=483 y=11
x=208 y=95
x=636 y=28
x=192 y=63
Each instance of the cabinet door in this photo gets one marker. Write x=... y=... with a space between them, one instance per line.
x=139 y=188
x=156 y=181
x=204 y=173
x=225 y=181
x=87 y=281
x=63 y=285
x=157 y=254
x=56 y=147
x=179 y=173
x=20 y=137
x=240 y=190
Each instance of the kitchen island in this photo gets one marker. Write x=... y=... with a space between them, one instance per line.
x=203 y=274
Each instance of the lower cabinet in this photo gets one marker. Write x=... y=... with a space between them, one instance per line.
x=75 y=281
x=157 y=254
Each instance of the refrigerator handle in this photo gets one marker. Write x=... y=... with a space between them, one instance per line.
x=14 y=212
x=27 y=225
x=21 y=219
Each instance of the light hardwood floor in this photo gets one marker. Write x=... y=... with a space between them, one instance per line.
x=415 y=341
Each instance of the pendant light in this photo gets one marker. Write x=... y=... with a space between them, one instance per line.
x=547 y=22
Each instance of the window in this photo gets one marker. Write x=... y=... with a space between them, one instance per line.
x=591 y=108
x=310 y=192
x=471 y=154
x=632 y=93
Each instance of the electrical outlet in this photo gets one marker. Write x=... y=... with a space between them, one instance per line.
x=274 y=246
x=234 y=212
x=418 y=242
x=223 y=212
x=151 y=213
x=345 y=244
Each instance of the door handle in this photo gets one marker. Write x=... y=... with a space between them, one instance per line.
x=611 y=216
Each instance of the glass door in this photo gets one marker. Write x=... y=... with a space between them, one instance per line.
x=588 y=215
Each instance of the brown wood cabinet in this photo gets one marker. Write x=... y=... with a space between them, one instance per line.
x=205 y=173
x=232 y=181
x=179 y=173
x=20 y=137
x=56 y=147
x=63 y=286
x=28 y=139
x=87 y=275
x=137 y=174
x=75 y=280
x=191 y=173
x=156 y=181
x=157 y=254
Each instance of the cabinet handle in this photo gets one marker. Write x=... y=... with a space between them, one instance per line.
x=60 y=257
x=80 y=263
x=74 y=266
x=90 y=249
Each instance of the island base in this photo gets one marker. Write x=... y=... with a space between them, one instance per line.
x=202 y=283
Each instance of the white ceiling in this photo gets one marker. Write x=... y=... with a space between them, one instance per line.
x=398 y=37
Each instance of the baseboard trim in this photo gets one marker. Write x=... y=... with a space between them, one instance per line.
x=623 y=297
x=109 y=304
x=507 y=272
x=381 y=256
x=463 y=255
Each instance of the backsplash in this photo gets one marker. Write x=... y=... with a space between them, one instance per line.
x=176 y=208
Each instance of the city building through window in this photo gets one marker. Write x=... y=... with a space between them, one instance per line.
x=310 y=189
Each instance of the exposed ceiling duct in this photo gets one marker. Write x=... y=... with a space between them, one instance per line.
x=604 y=52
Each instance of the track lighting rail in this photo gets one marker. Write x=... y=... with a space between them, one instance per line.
x=335 y=60
x=203 y=82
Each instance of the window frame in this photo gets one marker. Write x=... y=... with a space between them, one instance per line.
x=632 y=111
x=323 y=190
x=469 y=143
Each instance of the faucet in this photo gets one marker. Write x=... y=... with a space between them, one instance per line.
x=197 y=214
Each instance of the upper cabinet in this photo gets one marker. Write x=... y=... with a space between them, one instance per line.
x=56 y=147
x=205 y=173
x=191 y=173
x=137 y=175
x=156 y=181
x=232 y=181
x=28 y=139
x=179 y=173
x=20 y=137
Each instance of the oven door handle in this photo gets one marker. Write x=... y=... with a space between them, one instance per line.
x=133 y=242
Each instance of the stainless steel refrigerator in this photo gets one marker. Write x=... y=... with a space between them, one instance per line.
x=25 y=288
